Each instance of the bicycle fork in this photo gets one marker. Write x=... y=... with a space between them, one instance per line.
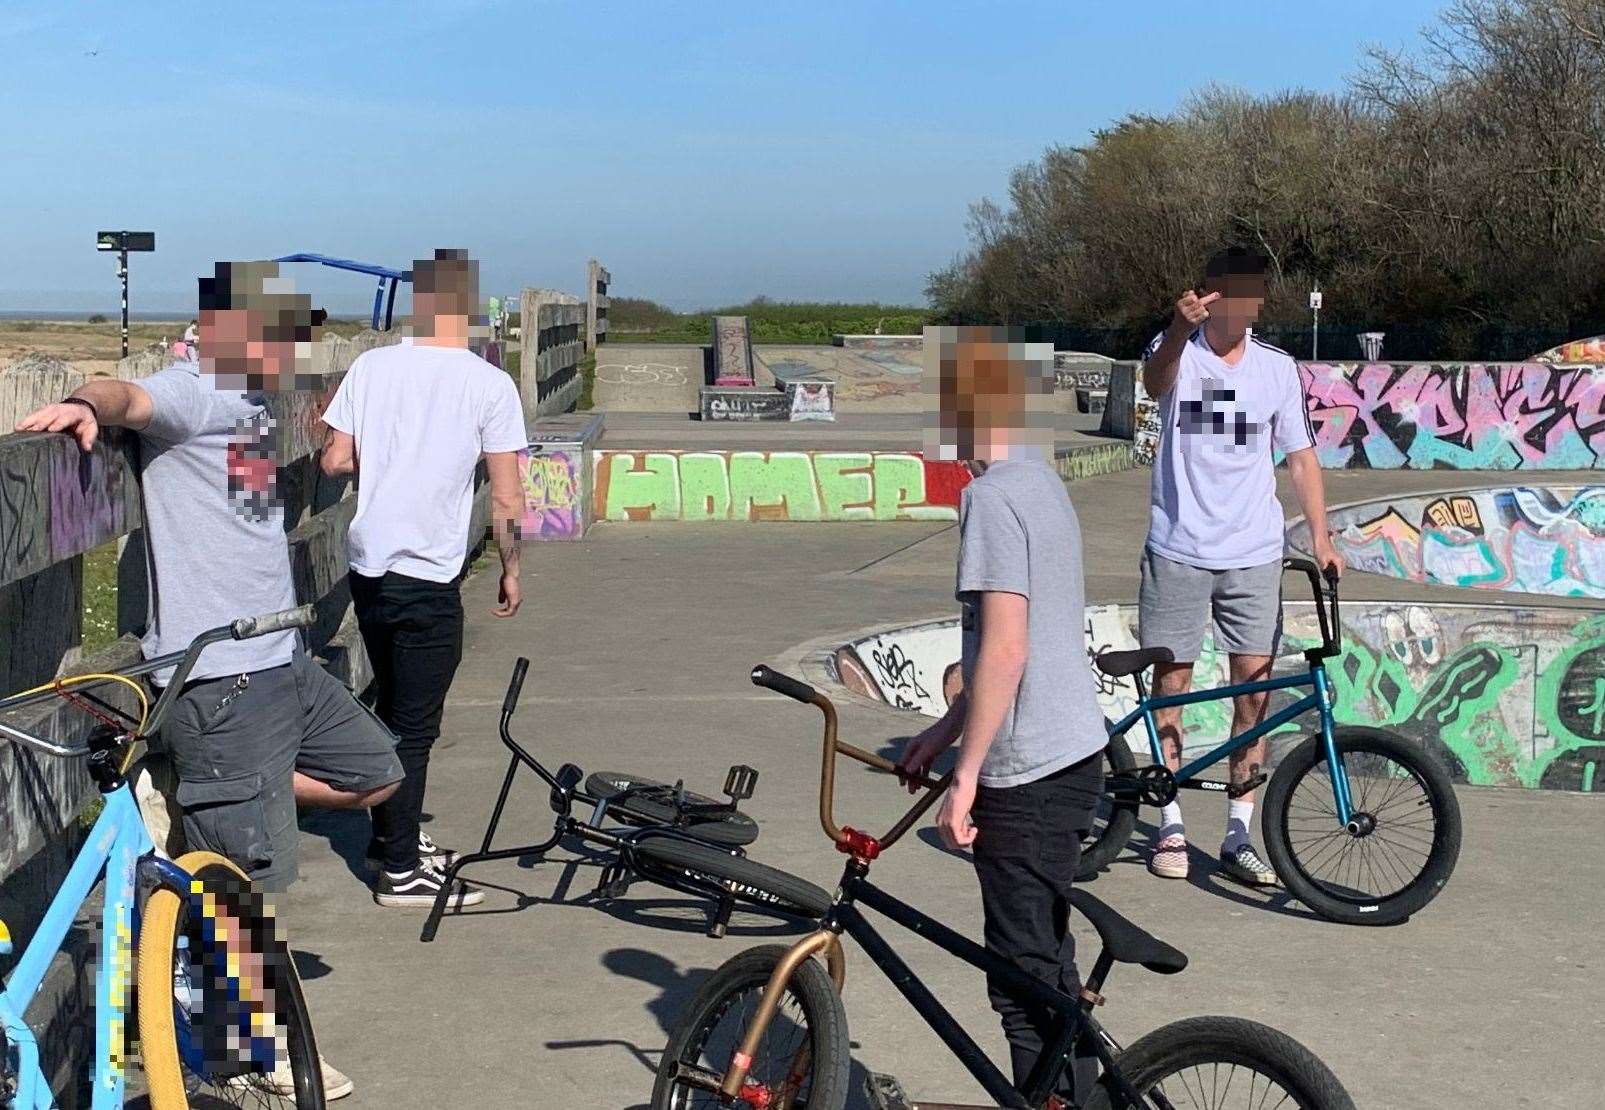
x=1340 y=775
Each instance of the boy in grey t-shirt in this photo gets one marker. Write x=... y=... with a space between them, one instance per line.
x=1029 y=769
x=1214 y=548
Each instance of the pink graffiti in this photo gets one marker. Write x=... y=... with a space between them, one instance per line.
x=1495 y=417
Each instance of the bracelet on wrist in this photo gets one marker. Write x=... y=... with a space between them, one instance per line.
x=84 y=401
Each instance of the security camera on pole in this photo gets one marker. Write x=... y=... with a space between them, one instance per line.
x=122 y=242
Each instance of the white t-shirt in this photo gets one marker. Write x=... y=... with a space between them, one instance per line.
x=1214 y=489
x=421 y=416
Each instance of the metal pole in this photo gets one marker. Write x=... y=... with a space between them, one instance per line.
x=122 y=272
x=1315 y=336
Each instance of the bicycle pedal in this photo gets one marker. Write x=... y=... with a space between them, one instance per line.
x=886 y=1093
x=740 y=782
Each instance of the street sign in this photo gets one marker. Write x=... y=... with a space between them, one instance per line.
x=1315 y=300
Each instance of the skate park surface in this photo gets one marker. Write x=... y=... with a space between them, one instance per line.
x=641 y=639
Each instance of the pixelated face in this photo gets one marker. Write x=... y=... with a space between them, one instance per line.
x=1241 y=298
x=986 y=391
x=445 y=291
x=264 y=349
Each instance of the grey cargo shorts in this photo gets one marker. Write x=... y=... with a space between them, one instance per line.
x=1176 y=603
x=236 y=742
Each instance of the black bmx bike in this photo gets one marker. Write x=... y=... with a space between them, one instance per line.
x=654 y=831
x=768 y=1030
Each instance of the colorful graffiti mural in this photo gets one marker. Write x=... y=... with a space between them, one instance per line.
x=1508 y=416
x=1524 y=539
x=775 y=485
x=553 y=494
x=1506 y=697
x=1588 y=351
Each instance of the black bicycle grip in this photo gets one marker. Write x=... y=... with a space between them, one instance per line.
x=783 y=684
x=246 y=627
x=510 y=702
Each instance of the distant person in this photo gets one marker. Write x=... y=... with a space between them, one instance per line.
x=1030 y=763
x=192 y=334
x=1214 y=548
x=415 y=419
x=258 y=728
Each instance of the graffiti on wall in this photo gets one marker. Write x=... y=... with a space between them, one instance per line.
x=1505 y=697
x=1453 y=416
x=552 y=494
x=775 y=485
x=1472 y=417
x=1525 y=539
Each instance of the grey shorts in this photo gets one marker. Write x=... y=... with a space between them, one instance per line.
x=1177 y=602
x=236 y=743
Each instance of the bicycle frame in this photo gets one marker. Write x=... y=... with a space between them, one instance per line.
x=119 y=847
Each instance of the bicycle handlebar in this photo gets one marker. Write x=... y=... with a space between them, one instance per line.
x=515 y=687
x=847 y=839
x=1326 y=601
x=248 y=627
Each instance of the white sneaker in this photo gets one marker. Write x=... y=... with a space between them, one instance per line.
x=281 y=1081
x=417 y=889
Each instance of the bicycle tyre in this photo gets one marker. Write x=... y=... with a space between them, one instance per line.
x=163 y=922
x=742 y=879
x=1201 y=1042
x=1428 y=772
x=734 y=829
x=1100 y=846
x=829 y=1051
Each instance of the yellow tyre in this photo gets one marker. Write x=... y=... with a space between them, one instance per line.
x=200 y=1062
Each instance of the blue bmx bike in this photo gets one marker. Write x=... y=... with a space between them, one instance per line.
x=1361 y=824
x=185 y=946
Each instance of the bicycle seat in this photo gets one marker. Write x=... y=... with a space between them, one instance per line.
x=1126 y=942
x=1119 y=664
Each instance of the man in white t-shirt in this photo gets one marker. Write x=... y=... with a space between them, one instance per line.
x=1214 y=549
x=416 y=419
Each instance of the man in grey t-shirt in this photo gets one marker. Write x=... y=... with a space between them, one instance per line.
x=1029 y=770
x=1214 y=548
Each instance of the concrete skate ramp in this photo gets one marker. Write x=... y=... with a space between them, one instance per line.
x=1506 y=696
x=867 y=379
x=647 y=377
x=1525 y=539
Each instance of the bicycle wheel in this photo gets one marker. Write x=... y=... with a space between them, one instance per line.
x=681 y=863
x=1401 y=846
x=1222 y=1063
x=191 y=1055
x=1115 y=821
x=802 y=1061
x=654 y=805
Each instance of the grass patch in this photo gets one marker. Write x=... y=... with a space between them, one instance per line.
x=632 y=320
x=587 y=383
x=100 y=598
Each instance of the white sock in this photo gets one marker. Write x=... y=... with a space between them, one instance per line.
x=1170 y=821
x=1239 y=815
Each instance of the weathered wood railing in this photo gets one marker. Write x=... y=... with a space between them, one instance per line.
x=552 y=343
x=58 y=503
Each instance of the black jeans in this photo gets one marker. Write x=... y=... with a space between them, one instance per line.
x=413 y=631
x=1027 y=847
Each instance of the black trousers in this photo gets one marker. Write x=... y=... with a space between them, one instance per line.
x=1027 y=847
x=413 y=631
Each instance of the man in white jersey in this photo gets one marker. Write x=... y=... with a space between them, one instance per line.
x=1214 y=550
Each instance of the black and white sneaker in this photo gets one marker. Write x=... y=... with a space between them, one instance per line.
x=417 y=890
x=428 y=852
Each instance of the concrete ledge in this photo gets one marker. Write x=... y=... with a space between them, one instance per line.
x=556 y=472
x=1075 y=463
x=743 y=402
x=879 y=342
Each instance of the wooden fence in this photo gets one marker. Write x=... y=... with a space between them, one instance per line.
x=551 y=344
x=596 y=303
x=56 y=504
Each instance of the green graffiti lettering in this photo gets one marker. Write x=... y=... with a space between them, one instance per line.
x=846 y=486
x=642 y=486
x=900 y=490
x=704 y=486
x=772 y=486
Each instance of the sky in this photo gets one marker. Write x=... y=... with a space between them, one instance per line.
x=705 y=153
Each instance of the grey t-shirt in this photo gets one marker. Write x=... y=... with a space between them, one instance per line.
x=1018 y=534
x=214 y=523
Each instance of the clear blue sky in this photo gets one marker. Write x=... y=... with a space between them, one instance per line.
x=705 y=152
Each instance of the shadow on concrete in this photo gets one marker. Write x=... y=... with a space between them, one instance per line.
x=675 y=990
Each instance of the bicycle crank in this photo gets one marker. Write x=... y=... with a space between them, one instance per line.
x=886 y=1093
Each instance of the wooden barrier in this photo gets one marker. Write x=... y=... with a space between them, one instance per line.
x=551 y=346
x=56 y=503
x=596 y=302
